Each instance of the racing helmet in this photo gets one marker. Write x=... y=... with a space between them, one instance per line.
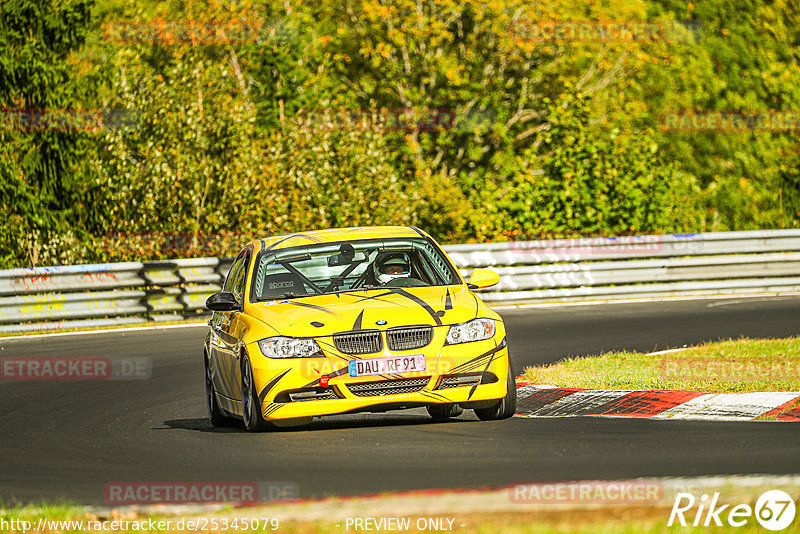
x=390 y=266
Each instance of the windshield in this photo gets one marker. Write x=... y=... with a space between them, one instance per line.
x=350 y=265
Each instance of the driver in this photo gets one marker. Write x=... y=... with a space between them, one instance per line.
x=392 y=266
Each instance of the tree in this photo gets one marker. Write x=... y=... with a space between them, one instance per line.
x=42 y=142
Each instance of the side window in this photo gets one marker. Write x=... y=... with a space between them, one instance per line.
x=233 y=274
x=238 y=281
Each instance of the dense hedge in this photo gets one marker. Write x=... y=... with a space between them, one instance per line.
x=187 y=128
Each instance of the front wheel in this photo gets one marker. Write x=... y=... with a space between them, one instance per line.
x=251 y=405
x=507 y=405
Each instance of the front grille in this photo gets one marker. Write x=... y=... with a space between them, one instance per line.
x=359 y=342
x=461 y=380
x=388 y=387
x=303 y=396
x=307 y=394
x=408 y=338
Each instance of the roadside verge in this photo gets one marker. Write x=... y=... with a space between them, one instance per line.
x=733 y=380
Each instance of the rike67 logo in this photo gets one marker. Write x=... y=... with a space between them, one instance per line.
x=774 y=510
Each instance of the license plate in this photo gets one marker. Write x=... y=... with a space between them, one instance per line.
x=386 y=365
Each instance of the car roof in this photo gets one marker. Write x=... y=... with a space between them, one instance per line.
x=335 y=234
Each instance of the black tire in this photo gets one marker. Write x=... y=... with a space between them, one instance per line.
x=251 y=406
x=214 y=412
x=444 y=411
x=507 y=405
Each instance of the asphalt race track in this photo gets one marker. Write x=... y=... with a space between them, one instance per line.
x=67 y=440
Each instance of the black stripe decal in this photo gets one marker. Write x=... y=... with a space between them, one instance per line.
x=271 y=409
x=420 y=302
x=269 y=386
x=312 y=306
x=475 y=386
x=335 y=352
x=278 y=242
x=309 y=237
x=287 y=238
x=474 y=362
x=357 y=324
x=474 y=365
x=375 y=296
x=433 y=395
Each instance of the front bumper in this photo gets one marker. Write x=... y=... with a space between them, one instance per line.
x=469 y=373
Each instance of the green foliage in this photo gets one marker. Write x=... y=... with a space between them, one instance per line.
x=42 y=170
x=444 y=114
x=189 y=162
x=743 y=59
x=585 y=179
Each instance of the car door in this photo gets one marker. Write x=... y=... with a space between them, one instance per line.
x=225 y=344
x=232 y=328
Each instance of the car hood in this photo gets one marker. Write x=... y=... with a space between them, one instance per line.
x=325 y=315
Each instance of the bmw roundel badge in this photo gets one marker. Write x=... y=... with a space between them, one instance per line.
x=380 y=323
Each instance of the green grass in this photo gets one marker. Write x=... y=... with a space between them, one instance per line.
x=731 y=366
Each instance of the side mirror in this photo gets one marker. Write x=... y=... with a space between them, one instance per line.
x=222 y=301
x=482 y=278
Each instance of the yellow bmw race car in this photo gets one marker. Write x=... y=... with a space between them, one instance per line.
x=352 y=320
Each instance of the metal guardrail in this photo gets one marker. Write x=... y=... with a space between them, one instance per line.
x=78 y=296
x=730 y=263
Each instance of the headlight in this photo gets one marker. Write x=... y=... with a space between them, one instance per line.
x=475 y=330
x=289 y=347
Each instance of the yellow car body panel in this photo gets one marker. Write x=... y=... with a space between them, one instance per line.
x=336 y=234
x=382 y=309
